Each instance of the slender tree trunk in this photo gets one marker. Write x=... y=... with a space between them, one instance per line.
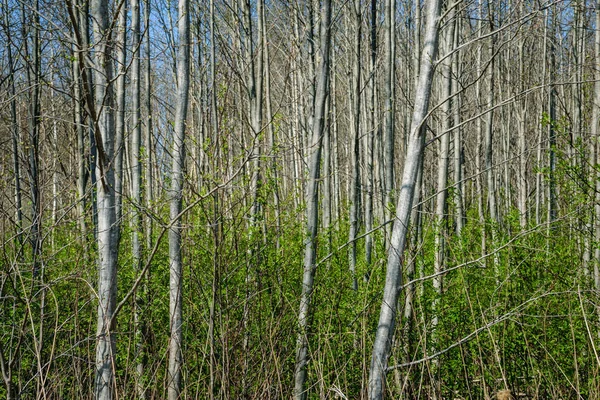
x=552 y=120
x=15 y=135
x=107 y=235
x=389 y=94
x=480 y=136
x=442 y=191
x=217 y=230
x=458 y=141
x=175 y=201
x=595 y=152
x=6 y=361
x=369 y=153
x=120 y=110
x=33 y=73
x=312 y=200
x=355 y=94
x=393 y=282
x=136 y=191
x=148 y=176
x=271 y=130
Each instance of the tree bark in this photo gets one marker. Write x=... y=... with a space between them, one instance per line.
x=393 y=282
x=175 y=201
x=389 y=94
x=442 y=186
x=107 y=236
x=312 y=200
x=355 y=126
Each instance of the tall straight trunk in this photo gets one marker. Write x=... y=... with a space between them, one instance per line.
x=107 y=235
x=148 y=142
x=355 y=124
x=120 y=110
x=369 y=151
x=521 y=113
x=33 y=120
x=489 y=132
x=389 y=94
x=14 y=133
x=253 y=63
x=33 y=74
x=480 y=135
x=458 y=141
x=442 y=183
x=552 y=118
x=539 y=190
x=488 y=142
x=312 y=203
x=7 y=360
x=136 y=189
x=81 y=170
x=595 y=151
x=270 y=129
x=393 y=281
x=175 y=203
x=217 y=230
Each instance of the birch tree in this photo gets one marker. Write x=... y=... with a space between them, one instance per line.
x=102 y=114
x=312 y=201
x=175 y=203
x=393 y=280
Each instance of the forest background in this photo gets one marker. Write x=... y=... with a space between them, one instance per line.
x=313 y=199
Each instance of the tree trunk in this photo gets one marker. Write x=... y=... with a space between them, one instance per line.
x=369 y=151
x=595 y=151
x=389 y=94
x=312 y=200
x=120 y=110
x=136 y=192
x=15 y=135
x=175 y=202
x=355 y=93
x=442 y=184
x=107 y=234
x=393 y=282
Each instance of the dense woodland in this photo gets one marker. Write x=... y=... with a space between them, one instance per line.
x=269 y=199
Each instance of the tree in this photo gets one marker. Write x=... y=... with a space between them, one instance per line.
x=393 y=280
x=175 y=203
x=312 y=200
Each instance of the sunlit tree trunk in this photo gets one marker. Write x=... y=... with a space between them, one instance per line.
x=355 y=94
x=389 y=93
x=175 y=202
x=107 y=235
x=370 y=142
x=393 y=281
x=120 y=109
x=14 y=134
x=312 y=202
x=595 y=151
x=442 y=184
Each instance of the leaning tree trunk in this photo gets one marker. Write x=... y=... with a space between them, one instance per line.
x=393 y=281
x=312 y=200
x=175 y=200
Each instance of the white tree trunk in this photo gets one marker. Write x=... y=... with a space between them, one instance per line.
x=175 y=200
x=312 y=200
x=393 y=281
x=107 y=236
